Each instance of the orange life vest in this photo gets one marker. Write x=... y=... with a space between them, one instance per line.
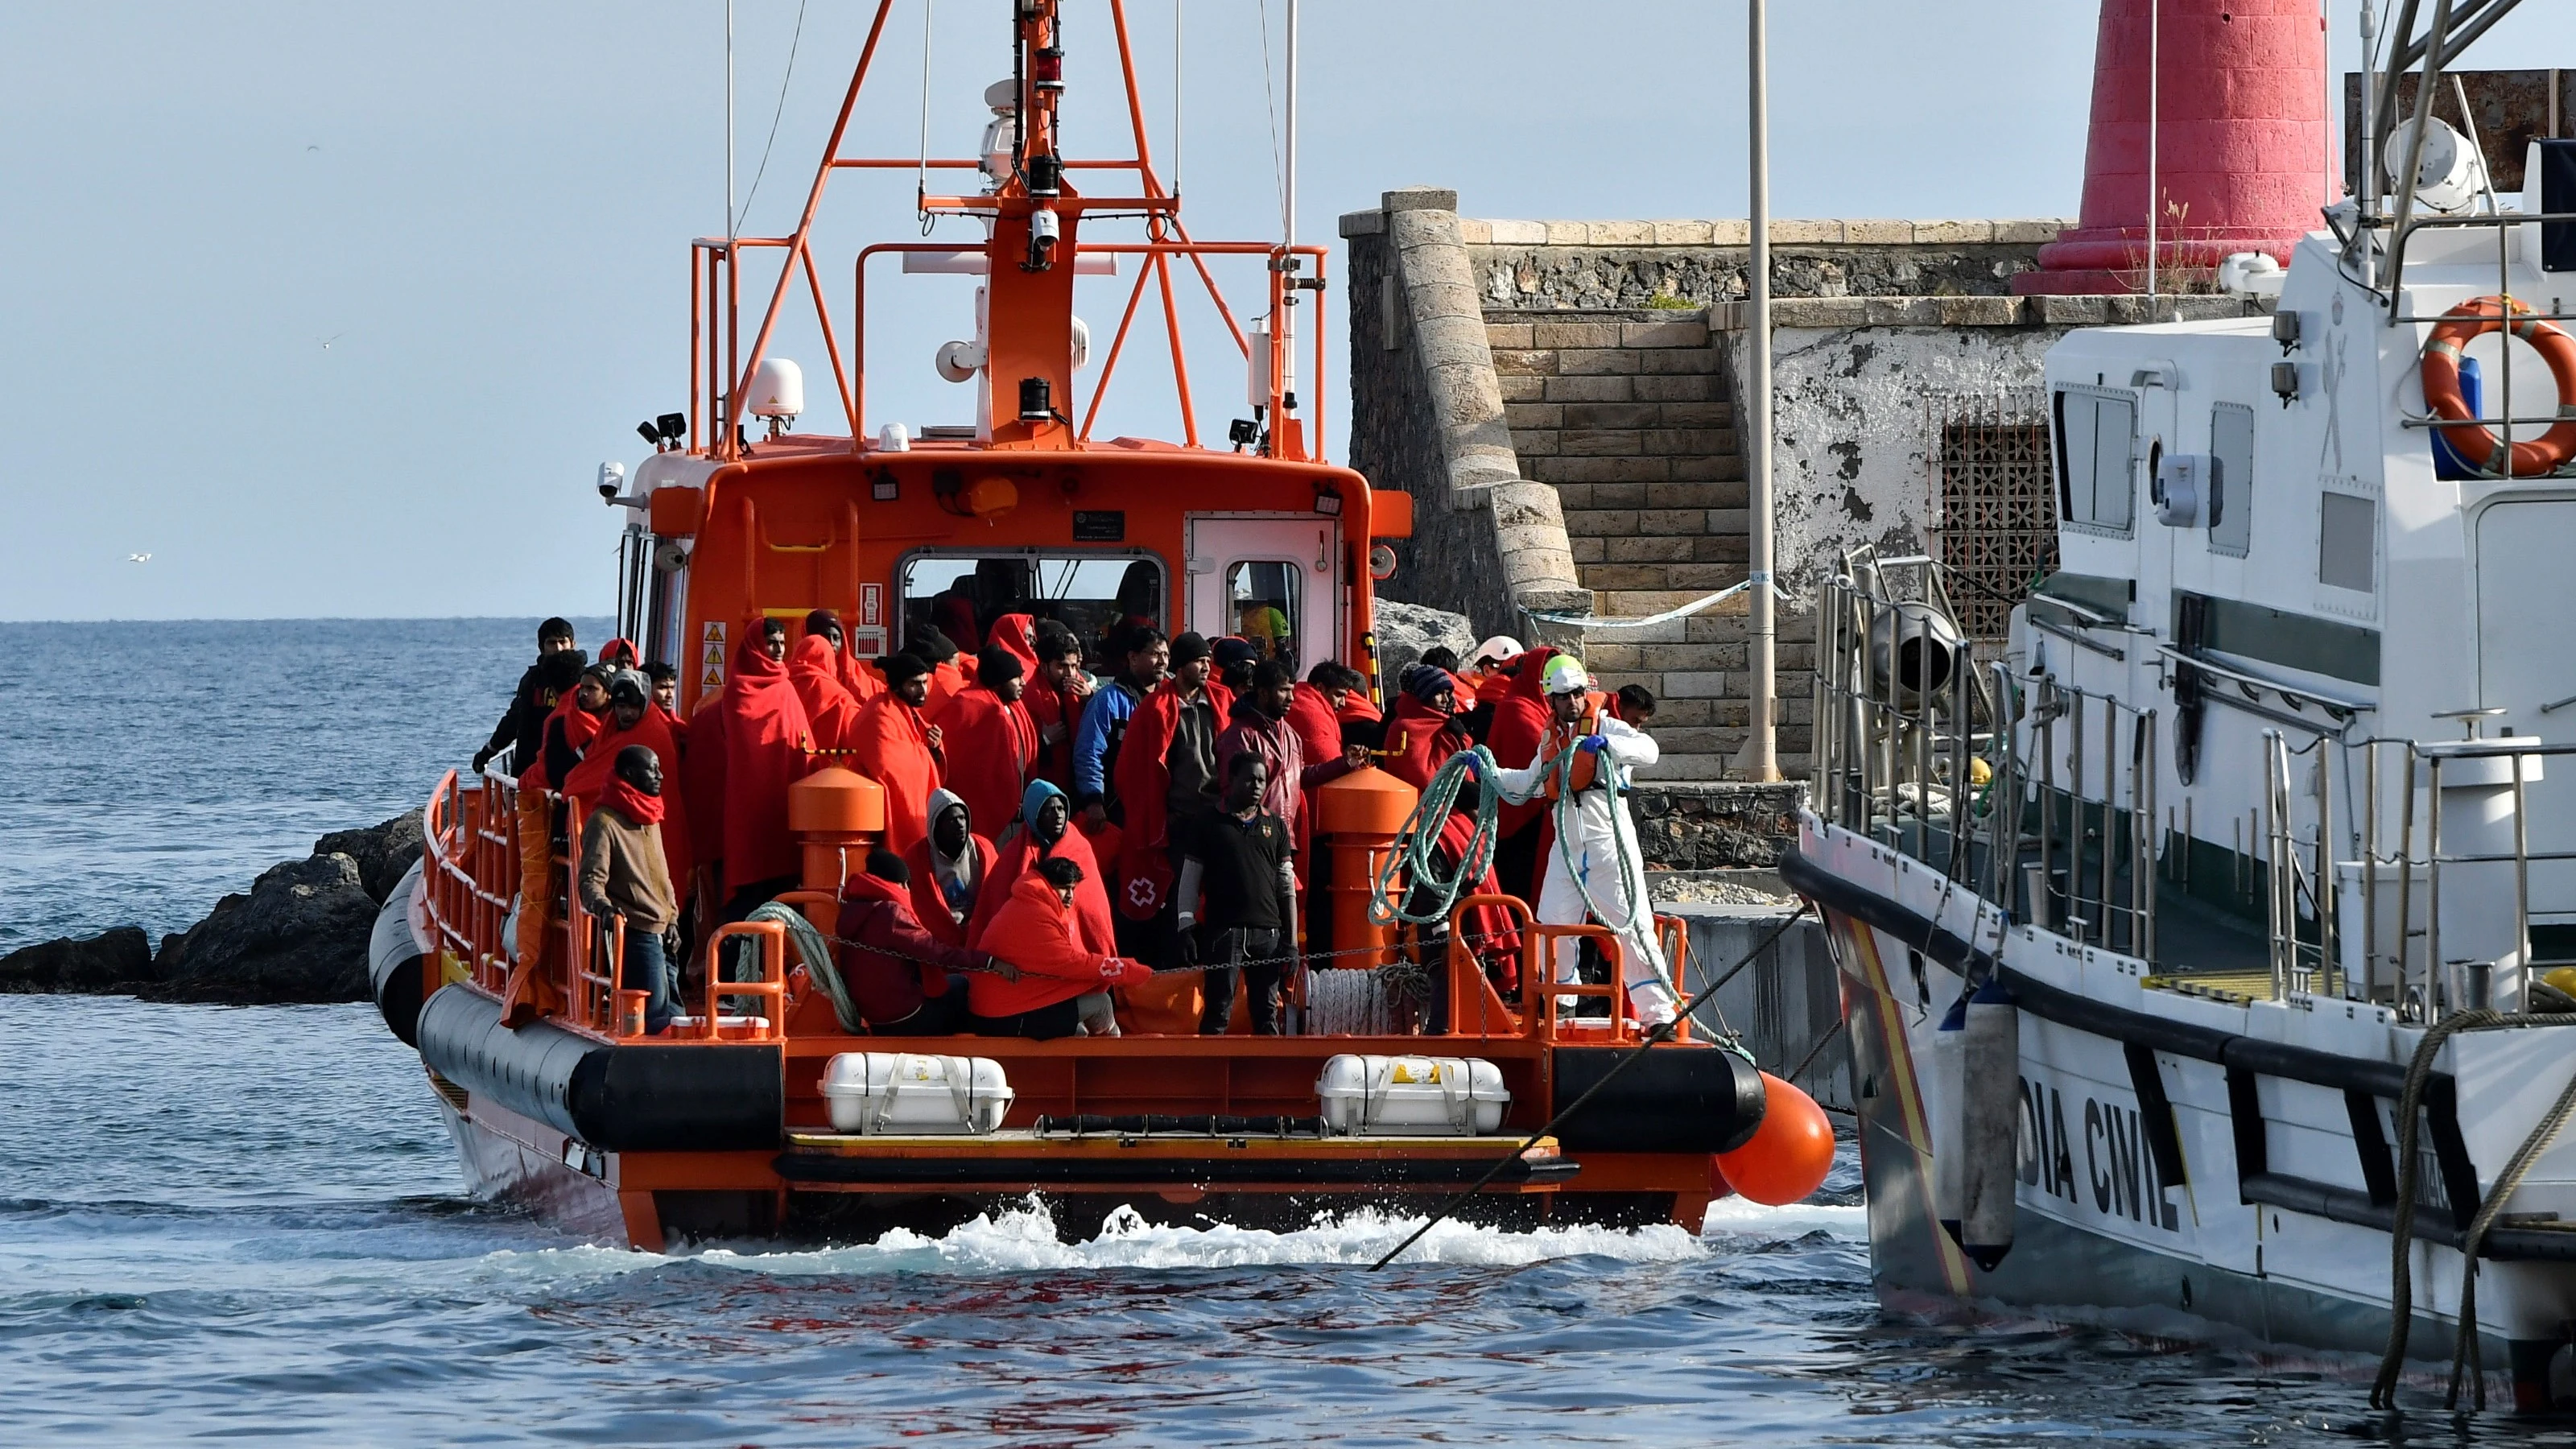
x=1586 y=771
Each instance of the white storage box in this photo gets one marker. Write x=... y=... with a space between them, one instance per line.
x=908 y=1094
x=1413 y=1096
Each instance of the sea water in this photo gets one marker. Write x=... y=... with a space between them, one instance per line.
x=246 y=1223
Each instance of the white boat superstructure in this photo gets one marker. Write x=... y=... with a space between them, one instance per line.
x=2197 y=940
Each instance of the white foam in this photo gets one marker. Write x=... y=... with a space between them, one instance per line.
x=1741 y=1217
x=1024 y=1239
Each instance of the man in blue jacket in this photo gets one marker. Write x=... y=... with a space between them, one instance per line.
x=1147 y=655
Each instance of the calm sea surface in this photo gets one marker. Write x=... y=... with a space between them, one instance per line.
x=245 y=1224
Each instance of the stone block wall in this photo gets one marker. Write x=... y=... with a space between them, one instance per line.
x=1614 y=352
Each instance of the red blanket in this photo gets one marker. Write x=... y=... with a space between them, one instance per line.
x=831 y=711
x=746 y=746
x=1035 y=932
x=893 y=745
x=992 y=751
x=593 y=775
x=1144 y=785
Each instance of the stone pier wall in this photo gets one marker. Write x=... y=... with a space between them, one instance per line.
x=1605 y=385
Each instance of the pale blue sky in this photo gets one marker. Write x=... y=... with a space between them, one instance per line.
x=484 y=211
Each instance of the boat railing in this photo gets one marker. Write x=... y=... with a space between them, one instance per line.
x=2444 y=890
x=1541 y=997
x=2043 y=790
x=472 y=873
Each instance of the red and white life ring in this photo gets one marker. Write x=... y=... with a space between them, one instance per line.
x=2467 y=322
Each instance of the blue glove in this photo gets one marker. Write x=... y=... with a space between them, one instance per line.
x=1593 y=744
x=1475 y=771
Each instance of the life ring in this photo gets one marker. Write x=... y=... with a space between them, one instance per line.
x=2458 y=328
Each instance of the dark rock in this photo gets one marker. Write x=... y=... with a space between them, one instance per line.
x=383 y=853
x=120 y=959
x=1684 y=825
x=299 y=935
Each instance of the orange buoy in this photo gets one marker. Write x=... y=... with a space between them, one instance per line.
x=2466 y=323
x=1790 y=1152
x=1360 y=814
x=837 y=815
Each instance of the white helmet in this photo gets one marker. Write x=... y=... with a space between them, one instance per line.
x=1495 y=650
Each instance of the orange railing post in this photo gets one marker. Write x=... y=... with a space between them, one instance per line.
x=772 y=983
x=1467 y=976
x=1540 y=941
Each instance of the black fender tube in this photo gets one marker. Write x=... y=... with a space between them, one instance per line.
x=639 y=1097
x=1679 y=1099
x=394 y=952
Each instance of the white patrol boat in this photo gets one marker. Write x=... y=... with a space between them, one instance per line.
x=2201 y=952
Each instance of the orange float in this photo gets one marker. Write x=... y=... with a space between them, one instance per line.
x=1790 y=1152
x=2441 y=370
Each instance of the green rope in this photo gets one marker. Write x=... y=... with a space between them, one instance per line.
x=1413 y=851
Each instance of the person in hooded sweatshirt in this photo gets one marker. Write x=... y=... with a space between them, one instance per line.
x=898 y=747
x=904 y=980
x=746 y=746
x=1063 y=982
x=623 y=877
x=831 y=711
x=538 y=692
x=991 y=743
x=949 y=868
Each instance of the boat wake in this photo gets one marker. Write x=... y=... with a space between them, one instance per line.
x=1025 y=1239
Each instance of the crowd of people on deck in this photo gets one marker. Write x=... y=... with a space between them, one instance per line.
x=1064 y=853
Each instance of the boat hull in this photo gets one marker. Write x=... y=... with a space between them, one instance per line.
x=2101 y=1234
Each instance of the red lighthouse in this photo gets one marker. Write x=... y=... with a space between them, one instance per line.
x=2242 y=142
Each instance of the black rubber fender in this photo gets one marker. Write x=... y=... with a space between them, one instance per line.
x=639 y=1097
x=1679 y=1099
x=394 y=952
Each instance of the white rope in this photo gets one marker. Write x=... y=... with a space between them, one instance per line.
x=1599 y=621
x=1346 y=1003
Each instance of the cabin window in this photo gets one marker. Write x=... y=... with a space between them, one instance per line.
x=2231 y=483
x=2096 y=438
x=962 y=594
x=2347 y=541
x=1263 y=602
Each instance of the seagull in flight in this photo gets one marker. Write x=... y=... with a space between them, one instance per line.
x=138 y=558
x=334 y=337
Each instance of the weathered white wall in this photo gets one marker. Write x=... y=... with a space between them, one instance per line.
x=1852 y=432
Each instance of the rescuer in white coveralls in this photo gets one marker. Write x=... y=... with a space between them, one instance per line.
x=1588 y=855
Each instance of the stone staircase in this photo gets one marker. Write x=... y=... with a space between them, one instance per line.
x=1627 y=415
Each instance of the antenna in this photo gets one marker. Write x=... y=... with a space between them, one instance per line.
x=1288 y=199
x=730 y=235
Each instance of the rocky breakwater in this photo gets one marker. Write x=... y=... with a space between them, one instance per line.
x=298 y=935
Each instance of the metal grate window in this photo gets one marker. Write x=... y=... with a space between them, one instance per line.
x=1998 y=534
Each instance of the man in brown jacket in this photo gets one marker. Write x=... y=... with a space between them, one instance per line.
x=623 y=875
